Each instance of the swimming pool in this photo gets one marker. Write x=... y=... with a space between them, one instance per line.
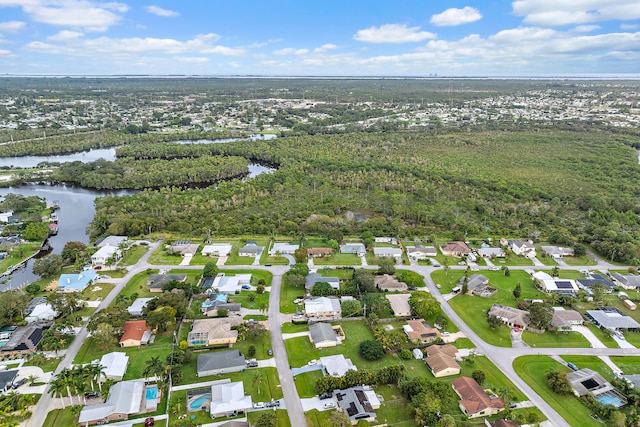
x=197 y=403
x=610 y=400
x=152 y=393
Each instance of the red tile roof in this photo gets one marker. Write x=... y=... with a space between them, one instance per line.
x=134 y=330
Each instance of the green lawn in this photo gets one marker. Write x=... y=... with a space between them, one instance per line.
x=393 y=410
x=546 y=260
x=60 y=417
x=579 y=260
x=281 y=414
x=96 y=292
x=555 y=340
x=495 y=379
x=338 y=259
x=630 y=365
x=162 y=257
x=18 y=254
x=341 y=273
x=287 y=295
x=606 y=339
x=49 y=366
x=134 y=254
x=317 y=418
x=532 y=369
x=305 y=383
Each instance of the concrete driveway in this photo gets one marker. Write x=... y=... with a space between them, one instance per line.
x=306 y=368
x=590 y=336
x=315 y=403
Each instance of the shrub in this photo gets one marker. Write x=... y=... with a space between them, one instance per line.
x=371 y=350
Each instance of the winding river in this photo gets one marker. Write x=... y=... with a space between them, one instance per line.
x=76 y=203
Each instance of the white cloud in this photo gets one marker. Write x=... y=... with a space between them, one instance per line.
x=393 y=33
x=157 y=10
x=290 y=51
x=72 y=43
x=192 y=59
x=263 y=44
x=454 y=16
x=86 y=14
x=4 y=52
x=566 y=12
x=629 y=26
x=11 y=26
x=66 y=35
x=586 y=28
x=325 y=47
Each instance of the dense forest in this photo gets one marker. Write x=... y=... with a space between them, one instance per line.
x=563 y=186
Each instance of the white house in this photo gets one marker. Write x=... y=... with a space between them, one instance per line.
x=323 y=307
x=229 y=399
x=217 y=249
x=102 y=256
x=41 y=312
x=388 y=252
x=337 y=365
x=115 y=365
x=283 y=248
x=231 y=284
x=136 y=307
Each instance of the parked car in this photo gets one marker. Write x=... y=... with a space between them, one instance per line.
x=494 y=268
x=246 y=287
x=18 y=383
x=572 y=366
x=313 y=362
x=326 y=395
x=252 y=363
x=91 y=394
x=267 y=265
x=438 y=285
x=273 y=404
x=270 y=352
x=258 y=405
x=329 y=405
x=149 y=422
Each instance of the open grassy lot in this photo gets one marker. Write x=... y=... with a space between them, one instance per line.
x=579 y=260
x=287 y=295
x=532 y=369
x=630 y=365
x=546 y=260
x=317 y=418
x=341 y=273
x=591 y=362
x=137 y=356
x=556 y=340
x=60 y=417
x=18 y=254
x=133 y=255
x=162 y=257
x=281 y=415
x=394 y=410
x=338 y=259
x=305 y=383
x=96 y=292
x=138 y=285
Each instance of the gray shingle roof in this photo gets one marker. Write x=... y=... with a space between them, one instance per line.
x=322 y=332
x=220 y=360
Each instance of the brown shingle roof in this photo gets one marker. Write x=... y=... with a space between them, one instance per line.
x=319 y=251
x=389 y=282
x=473 y=397
x=448 y=349
x=440 y=361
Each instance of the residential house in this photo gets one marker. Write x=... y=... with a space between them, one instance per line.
x=612 y=318
x=518 y=247
x=283 y=248
x=491 y=252
x=216 y=302
x=217 y=250
x=113 y=241
x=421 y=252
x=135 y=333
x=251 y=249
x=337 y=365
x=323 y=307
x=136 y=307
x=230 y=284
x=626 y=281
x=419 y=331
x=323 y=335
x=399 y=304
x=456 y=249
x=184 y=248
x=115 y=365
x=23 y=340
x=512 y=317
x=586 y=381
x=477 y=284
x=565 y=320
x=596 y=279
x=105 y=256
x=353 y=248
x=359 y=403
x=559 y=286
x=6 y=216
x=157 y=281
x=228 y=399
x=319 y=252
x=474 y=401
x=76 y=282
x=391 y=240
x=313 y=278
x=220 y=362
x=387 y=282
x=388 y=253
x=41 y=313
x=441 y=360
x=214 y=332
x=125 y=399
x=557 y=251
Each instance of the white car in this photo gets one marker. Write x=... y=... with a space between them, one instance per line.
x=258 y=405
x=494 y=268
x=329 y=405
x=313 y=362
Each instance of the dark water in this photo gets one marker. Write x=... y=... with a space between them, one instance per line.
x=77 y=204
x=74 y=216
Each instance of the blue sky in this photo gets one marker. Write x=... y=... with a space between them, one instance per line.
x=321 y=38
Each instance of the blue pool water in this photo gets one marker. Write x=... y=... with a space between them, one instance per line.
x=152 y=393
x=610 y=400
x=197 y=403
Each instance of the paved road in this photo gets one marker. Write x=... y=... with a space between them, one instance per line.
x=291 y=398
x=45 y=403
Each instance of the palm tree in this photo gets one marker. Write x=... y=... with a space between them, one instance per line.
x=67 y=380
x=154 y=366
x=32 y=379
x=257 y=378
x=38 y=359
x=56 y=387
x=96 y=371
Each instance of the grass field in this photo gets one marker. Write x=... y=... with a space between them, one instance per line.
x=591 y=362
x=532 y=369
x=630 y=365
x=49 y=366
x=555 y=340
x=338 y=259
x=60 y=417
x=305 y=383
